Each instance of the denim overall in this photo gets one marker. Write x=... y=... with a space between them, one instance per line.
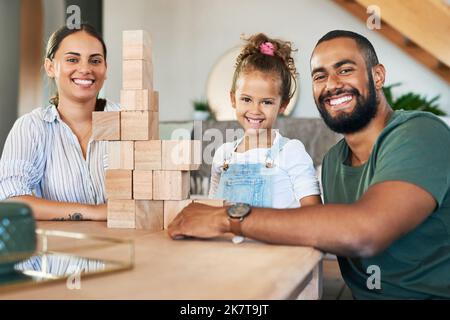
x=249 y=183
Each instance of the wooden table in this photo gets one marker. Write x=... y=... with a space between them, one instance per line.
x=192 y=269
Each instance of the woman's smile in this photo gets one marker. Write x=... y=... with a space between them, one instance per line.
x=83 y=82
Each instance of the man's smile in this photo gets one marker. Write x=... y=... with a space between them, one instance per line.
x=340 y=102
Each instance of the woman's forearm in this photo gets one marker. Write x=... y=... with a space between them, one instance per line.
x=53 y=210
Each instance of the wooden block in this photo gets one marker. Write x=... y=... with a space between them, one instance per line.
x=144 y=100
x=211 y=202
x=137 y=74
x=106 y=125
x=119 y=184
x=181 y=154
x=149 y=215
x=172 y=208
x=136 y=45
x=154 y=125
x=147 y=155
x=121 y=155
x=171 y=185
x=139 y=125
x=142 y=185
x=121 y=214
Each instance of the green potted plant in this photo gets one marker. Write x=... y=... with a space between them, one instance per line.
x=414 y=101
x=201 y=110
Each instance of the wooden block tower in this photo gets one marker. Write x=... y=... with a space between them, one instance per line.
x=148 y=180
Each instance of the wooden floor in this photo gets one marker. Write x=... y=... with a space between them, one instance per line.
x=334 y=287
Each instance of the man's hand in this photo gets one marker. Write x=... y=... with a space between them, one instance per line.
x=200 y=221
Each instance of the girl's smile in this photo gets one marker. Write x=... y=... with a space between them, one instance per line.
x=253 y=122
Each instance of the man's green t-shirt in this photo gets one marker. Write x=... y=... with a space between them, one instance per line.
x=413 y=147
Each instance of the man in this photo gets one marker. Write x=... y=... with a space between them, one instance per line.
x=386 y=185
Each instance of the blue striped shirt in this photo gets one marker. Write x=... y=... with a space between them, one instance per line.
x=42 y=156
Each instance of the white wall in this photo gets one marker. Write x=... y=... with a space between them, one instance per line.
x=190 y=35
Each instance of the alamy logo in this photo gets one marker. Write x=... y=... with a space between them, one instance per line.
x=374 y=280
x=374 y=20
x=74 y=281
x=74 y=20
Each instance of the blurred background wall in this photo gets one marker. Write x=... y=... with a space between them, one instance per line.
x=189 y=37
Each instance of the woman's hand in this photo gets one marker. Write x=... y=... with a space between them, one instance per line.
x=200 y=221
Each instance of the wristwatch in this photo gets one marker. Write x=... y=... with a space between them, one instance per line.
x=236 y=214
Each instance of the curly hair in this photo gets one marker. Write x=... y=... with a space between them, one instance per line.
x=281 y=63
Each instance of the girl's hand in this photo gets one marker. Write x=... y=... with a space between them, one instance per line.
x=310 y=200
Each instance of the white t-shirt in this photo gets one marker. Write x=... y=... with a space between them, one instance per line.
x=295 y=179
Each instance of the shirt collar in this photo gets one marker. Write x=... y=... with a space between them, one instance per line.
x=50 y=113
x=274 y=142
x=277 y=137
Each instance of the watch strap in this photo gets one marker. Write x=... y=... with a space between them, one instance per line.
x=235 y=226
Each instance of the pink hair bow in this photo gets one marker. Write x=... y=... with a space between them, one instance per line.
x=267 y=48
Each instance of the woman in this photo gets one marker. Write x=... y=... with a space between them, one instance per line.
x=49 y=161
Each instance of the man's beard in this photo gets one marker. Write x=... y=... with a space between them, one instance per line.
x=363 y=112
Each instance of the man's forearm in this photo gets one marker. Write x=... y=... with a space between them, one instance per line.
x=332 y=228
x=59 y=211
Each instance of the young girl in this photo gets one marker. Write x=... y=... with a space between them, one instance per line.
x=49 y=160
x=264 y=169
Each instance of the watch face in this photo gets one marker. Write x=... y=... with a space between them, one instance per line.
x=239 y=210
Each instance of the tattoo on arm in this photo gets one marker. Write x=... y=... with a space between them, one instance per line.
x=72 y=217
